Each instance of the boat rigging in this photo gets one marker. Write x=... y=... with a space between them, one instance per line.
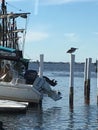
x=17 y=82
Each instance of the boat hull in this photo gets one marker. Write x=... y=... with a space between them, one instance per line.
x=19 y=92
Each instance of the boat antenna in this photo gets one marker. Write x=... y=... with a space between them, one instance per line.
x=24 y=36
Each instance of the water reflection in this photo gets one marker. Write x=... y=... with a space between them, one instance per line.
x=71 y=119
x=90 y=116
x=33 y=119
x=55 y=118
x=51 y=117
x=87 y=116
x=42 y=119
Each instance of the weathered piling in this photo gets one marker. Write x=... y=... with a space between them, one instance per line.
x=85 y=76
x=41 y=68
x=87 y=88
x=71 y=93
x=97 y=78
x=41 y=65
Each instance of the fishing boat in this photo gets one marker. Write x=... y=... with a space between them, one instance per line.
x=17 y=82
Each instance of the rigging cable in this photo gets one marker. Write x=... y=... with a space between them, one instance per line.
x=14 y=7
x=24 y=35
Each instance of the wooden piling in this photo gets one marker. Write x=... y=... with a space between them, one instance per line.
x=41 y=68
x=71 y=93
x=85 y=76
x=41 y=65
x=97 y=79
x=87 y=94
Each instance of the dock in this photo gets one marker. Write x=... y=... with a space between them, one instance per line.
x=7 y=106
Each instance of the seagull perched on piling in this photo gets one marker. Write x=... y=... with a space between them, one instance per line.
x=72 y=50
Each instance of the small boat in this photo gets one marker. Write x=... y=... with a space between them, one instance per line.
x=17 y=83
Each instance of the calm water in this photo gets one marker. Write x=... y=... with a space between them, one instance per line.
x=57 y=115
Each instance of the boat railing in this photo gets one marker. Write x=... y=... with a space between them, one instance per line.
x=17 y=81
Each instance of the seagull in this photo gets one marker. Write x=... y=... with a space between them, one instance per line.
x=72 y=50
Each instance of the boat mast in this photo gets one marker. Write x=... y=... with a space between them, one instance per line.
x=3 y=6
x=3 y=20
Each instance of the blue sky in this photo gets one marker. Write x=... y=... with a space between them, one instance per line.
x=55 y=26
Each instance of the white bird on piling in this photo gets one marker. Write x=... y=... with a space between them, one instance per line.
x=72 y=50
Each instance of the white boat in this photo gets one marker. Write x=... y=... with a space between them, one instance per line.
x=13 y=84
x=18 y=90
